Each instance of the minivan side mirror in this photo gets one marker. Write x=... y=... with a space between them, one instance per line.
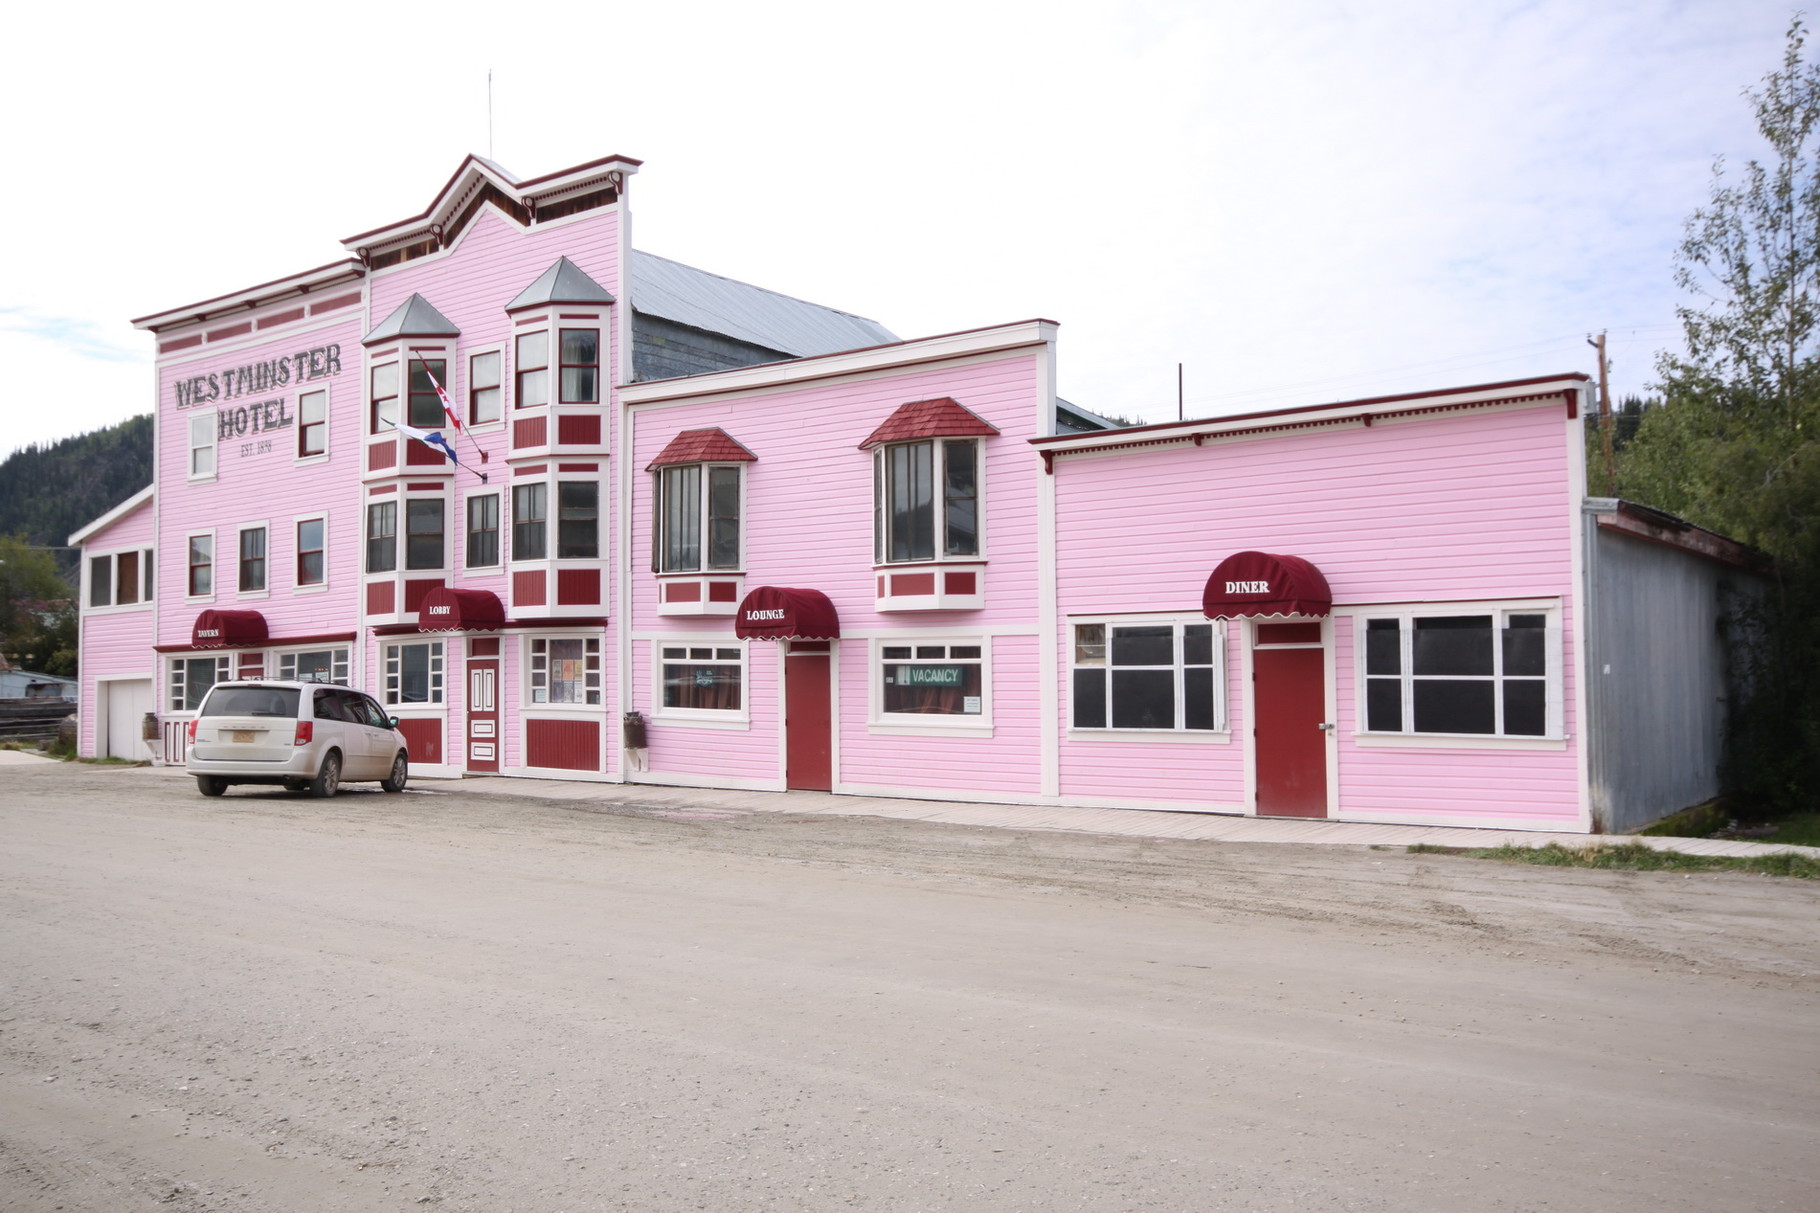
x=391 y=722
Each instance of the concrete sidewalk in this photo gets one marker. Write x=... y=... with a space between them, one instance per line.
x=710 y=803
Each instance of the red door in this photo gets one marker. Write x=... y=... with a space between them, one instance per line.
x=483 y=716
x=1290 y=700
x=808 y=720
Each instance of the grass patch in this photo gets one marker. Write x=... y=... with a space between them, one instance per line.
x=1636 y=857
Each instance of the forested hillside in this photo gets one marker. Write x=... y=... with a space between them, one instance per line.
x=48 y=491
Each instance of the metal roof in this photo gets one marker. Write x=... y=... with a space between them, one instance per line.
x=564 y=282
x=412 y=318
x=701 y=300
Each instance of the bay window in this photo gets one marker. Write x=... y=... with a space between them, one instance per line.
x=423 y=406
x=1157 y=674
x=382 y=536
x=530 y=507
x=577 y=520
x=383 y=394
x=1487 y=673
x=423 y=539
x=926 y=500
x=580 y=365
x=565 y=670
x=698 y=518
x=531 y=360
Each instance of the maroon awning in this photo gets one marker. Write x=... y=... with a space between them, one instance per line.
x=1258 y=583
x=228 y=630
x=772 y=612
x=446 y=610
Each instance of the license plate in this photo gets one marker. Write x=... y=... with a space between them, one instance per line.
x=241 y=737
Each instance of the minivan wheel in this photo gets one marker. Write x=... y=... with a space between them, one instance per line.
x=401 y=770
x=211 y=785
x=328 y=778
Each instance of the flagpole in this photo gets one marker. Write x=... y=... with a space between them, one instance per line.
x=448 y=406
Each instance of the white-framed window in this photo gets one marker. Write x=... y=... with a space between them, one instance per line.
x=423 y=407
x=413 y=673
x=577 y=520
x=925 y=500
x=932 y=680
x=313 y=424
x=203 y=439
x=483 y=531
x=698 y=517
x=314 y=665
x=1157 y=674
x=382 y=536
x=701 y=679
x=530 y=515
x=251 y=564
x=580 y=365
x=312 y=552
x=531 y=369
x=200 y=550
x=485 y=387
x=1465 y=670
x=565 y=670
x=424 y=533
x=190 y=678
x=382 y=398
x=119 y=579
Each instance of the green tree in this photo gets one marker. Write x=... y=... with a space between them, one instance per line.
x=37 y=613
x=1735 y=443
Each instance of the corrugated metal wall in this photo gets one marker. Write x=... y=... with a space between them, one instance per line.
x=1655 y=672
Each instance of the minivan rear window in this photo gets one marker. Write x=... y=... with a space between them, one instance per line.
x=252 y=701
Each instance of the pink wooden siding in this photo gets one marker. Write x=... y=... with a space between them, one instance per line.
x=1453 y=507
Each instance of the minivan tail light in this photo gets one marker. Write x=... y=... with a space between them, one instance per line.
x=306 y=732
x=192 y=730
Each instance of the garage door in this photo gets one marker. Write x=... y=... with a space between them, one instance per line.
x=128 y=700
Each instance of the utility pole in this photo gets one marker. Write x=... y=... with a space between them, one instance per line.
x=1178 y=391
x=1605 y=419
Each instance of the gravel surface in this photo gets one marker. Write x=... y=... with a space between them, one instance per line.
x=442 y=1000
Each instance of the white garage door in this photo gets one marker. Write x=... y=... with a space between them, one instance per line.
x=128 y=700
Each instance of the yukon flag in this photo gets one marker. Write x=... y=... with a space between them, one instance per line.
x=434 y=439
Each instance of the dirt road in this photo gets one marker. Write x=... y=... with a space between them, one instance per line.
x=456 y=1002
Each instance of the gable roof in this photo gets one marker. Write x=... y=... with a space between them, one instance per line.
x=943 y=417
x=142 y=497
x=686 y=295
x=564 y=282
x=702 y=446
x=412 y=318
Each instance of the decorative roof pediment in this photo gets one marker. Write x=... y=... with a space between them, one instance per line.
x=412 y=318
x=943 y=417
x=702 y=446
x=564 y=282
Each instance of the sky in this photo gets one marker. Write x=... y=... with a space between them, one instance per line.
x=1298 y=202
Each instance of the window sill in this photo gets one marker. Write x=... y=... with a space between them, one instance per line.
x=896 y=728
x=118 y=608
x=1169 y=736
x=304 y=461
x=735 y=723
x=310 y=589
x=567 y=709
x=253 y=595
x=1455 y=741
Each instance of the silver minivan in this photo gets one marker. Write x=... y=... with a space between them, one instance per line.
x=305 y=736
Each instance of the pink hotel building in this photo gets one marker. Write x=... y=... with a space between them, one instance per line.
x=726 y=538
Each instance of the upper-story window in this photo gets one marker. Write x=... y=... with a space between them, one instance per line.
x=384 y=381
x=698 y=517
x=202 y=445
x=201 y=565
x=483 y=531
x=382 y=536
x=423 y=539
x=312 y=551
x=424 y=406
x=531 y=366
x=577 y=520
x=312 y=424
x=530 y=510
x=120 y=579
x=483 y=388
x=580 y=366
x=926 y=500
x=252 y=559
x=926 y=481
